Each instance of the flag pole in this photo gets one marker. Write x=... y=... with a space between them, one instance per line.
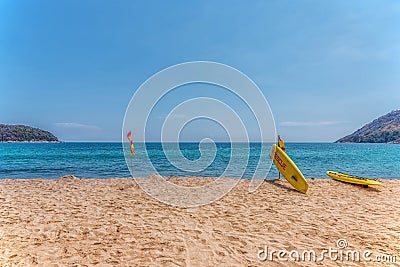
x=282 y=146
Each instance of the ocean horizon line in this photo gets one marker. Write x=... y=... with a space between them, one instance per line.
x=172 y=142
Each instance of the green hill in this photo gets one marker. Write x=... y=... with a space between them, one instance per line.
x=23 y=133
x=385 y=129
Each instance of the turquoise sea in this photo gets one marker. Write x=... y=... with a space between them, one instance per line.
x=89 y=160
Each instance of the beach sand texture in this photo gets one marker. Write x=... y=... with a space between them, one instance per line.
x=112 y=222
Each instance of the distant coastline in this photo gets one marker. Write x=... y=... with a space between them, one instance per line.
x=31 y=142
x=385 y=129
x=25 y=134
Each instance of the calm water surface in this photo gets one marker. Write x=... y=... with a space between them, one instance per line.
x=52 y=160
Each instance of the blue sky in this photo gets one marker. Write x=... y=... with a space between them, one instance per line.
x=325 y=67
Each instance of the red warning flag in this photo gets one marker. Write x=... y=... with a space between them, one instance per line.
x=129 y=135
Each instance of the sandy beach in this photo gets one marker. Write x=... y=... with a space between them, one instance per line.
x=112 y=222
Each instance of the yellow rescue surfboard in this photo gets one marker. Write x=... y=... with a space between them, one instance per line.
x=288 y=169
x=351 y=179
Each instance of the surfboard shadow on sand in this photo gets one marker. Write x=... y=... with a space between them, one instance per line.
x=366 y=187
x=276 y=182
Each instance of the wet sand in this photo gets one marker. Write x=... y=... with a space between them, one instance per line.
x=112 y=222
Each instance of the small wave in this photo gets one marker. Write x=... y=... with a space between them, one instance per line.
x=33 y=170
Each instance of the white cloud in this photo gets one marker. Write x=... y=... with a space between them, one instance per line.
x=74 y=125
x=349 y=51
x=310 y=123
